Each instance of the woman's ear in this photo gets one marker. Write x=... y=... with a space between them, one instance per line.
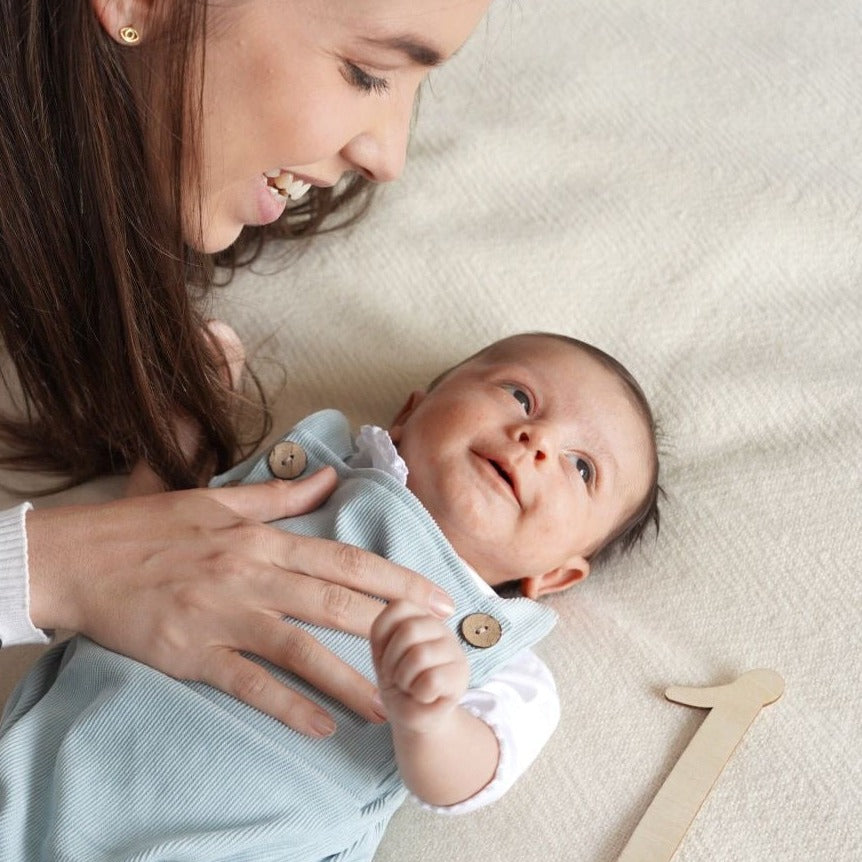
x=555 y=580
x=397 y=424
x=127 y=22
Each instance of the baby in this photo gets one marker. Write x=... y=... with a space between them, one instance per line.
x=522 y=464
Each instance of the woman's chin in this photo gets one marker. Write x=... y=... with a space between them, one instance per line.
x=222 y=229
x=214 y=237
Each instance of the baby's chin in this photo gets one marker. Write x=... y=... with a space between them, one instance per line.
x=507 y=587
x=487 y=568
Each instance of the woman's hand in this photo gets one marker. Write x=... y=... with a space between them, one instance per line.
x=187 y=581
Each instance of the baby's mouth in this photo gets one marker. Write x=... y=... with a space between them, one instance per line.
x=509 y=478
x=283 y=184
x=503 y=474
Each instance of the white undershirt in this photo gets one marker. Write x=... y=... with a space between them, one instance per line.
x=519 y=702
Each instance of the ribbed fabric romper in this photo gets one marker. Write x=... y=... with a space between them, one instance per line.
x=103 y=758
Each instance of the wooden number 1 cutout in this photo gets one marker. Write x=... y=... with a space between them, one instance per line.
x=732 y=709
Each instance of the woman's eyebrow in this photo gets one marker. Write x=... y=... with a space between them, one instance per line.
x=413 y=48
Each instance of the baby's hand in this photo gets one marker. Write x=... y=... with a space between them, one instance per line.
x=422 y=671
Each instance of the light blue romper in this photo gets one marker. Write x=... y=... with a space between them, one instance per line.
x=103 y=758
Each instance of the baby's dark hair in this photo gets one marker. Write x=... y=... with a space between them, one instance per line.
x=631 y=532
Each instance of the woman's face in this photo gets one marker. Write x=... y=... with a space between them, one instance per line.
x=310 y=90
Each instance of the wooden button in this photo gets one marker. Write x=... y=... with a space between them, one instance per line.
x=480 y=630
x=287 y=460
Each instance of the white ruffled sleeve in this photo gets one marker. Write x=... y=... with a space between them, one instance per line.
x=520 y=704
x=15 y=624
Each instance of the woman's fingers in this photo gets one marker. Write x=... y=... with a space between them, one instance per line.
x=325 y=559
x=360 y=570
x=277 y=498
x=295 y=650
x=319 y=602
x=249 y=682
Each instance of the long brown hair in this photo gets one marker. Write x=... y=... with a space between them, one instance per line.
x=102 y=300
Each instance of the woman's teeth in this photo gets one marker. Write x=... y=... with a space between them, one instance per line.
x=283 y=184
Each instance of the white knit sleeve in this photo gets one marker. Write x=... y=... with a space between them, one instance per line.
x=15 y=624
x=520 y=704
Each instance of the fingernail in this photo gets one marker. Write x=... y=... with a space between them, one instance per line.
x=441 y=604
x=322 y=725
x=377 y=704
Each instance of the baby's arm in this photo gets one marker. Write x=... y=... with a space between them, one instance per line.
x=445 y=754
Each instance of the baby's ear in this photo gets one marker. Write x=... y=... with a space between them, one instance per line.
x=406 y=411
x=555 y=580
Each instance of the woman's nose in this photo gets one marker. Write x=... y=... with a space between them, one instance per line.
x=380 y=152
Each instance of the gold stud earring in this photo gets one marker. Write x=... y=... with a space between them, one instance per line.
x=130 y=35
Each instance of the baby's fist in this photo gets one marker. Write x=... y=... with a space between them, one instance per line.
x=422 y=671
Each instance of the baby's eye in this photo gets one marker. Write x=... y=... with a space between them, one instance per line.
x=584 y=468
x=521 y=396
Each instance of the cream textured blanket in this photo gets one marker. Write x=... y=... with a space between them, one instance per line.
x=680 y=183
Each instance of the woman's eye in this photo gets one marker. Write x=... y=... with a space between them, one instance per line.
x=521 y=396
x=584 y=468
x=360 y=79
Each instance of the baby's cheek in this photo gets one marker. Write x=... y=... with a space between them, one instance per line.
x=564 y=537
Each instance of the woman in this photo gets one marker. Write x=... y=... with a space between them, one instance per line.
x=139 y=138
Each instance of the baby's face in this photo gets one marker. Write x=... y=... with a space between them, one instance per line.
x=528 y=459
